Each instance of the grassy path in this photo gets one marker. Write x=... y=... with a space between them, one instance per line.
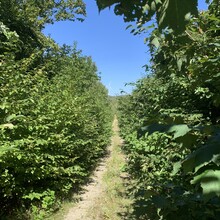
x=112 y=203
x=104 y=197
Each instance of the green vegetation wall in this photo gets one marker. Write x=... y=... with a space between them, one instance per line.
x=170 y=124
x=55 y=117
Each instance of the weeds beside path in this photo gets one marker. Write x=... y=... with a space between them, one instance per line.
x=104 y=197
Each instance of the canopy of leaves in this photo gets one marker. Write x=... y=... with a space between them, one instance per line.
x=37 y=13
x=173 y=14
x=28 y=17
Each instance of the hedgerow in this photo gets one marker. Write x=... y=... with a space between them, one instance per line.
x=170 y=124
x=55 y=119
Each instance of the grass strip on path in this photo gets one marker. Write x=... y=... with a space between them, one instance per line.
x=113 y=202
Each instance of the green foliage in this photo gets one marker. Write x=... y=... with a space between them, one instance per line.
x=55 y=115
x=114 y=103
x=170 y=124
x=174 y=14
x=40 y=12
x=28 y=18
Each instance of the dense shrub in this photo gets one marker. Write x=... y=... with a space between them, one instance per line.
x=170 y=124
x=55 y=121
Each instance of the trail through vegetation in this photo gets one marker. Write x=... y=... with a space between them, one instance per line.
x=91 y=192
x=56 y=116
x=104 y=196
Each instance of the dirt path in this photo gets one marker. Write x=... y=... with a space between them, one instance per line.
x=95 y=193
x=92 y=192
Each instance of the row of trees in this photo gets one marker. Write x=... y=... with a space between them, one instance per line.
x=170 y=124
x=55 y=118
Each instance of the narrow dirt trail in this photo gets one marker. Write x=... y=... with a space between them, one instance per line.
x=94 y=191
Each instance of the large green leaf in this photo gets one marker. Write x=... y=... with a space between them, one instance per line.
x=204 y=155
x=102 y=4
x=175 y=14
x=210 y=182
x=178 y=130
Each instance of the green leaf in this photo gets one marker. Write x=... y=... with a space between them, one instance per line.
x=129 y=26
x=146 y=8
x=176 y=168
x=153 y=6
x=155 y=42
x=173 y=14
x=188 y=140
x=204 y=155
x=210 y=183
x=178 y=130
x=102 y=4
x=179 y=64
x=10 y=117
x=13 y=117
x=8 y=125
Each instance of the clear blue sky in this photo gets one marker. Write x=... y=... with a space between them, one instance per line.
x=118 y=54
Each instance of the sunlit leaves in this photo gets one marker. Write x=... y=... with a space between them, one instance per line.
x=210 y=182
x=41 y=12
x=155 y=42
x=171 y=120
x=53 y=131
x=54 y=123
x=169 y=13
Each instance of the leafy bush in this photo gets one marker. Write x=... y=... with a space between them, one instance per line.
x=170 y=124
x=55 y=122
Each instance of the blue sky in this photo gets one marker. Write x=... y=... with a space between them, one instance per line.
x=118 y=54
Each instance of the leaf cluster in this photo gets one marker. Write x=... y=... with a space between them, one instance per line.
x=173 y=14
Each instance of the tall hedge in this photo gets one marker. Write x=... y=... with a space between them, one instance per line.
x=55 y=123
x=170 y=124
